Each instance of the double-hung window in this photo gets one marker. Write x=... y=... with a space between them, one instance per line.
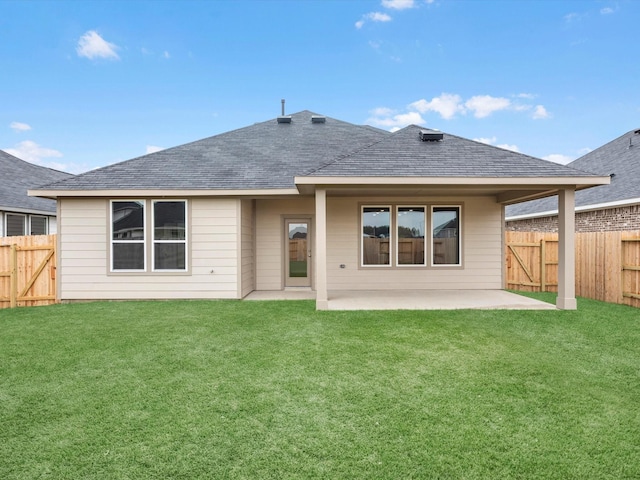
x=38 y=225
x=141 y=226
x=15 y=224
x=169 y=235
x=128 y=248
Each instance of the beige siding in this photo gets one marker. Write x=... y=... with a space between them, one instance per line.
x=481 y=246
x=481 y=249
x=247 y=238
x=84 y=244
x=270 y=216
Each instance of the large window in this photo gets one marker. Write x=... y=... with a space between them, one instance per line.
x=128 y=251
x=410 y=226
x=396 y=236
x=169 y=235
x=445 y=223
x=130 y=239
x=376 y=236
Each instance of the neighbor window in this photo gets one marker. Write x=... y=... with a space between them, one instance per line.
x=376 y=236
x=169 y=235
x=38 y=225
x=127 y=235
x=445 y=223
x=410 y=225
x=15 y=225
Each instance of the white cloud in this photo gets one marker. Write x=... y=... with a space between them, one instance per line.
x=488 y=141
x=484 y=105
x=447 y=105
x=607 y=11
x=153 y=149
x=584 y=151
x=540 y=112
x=32 y=152
x=373 y=17
x=558 y=158
x=570 y=17
x=387 y=118
x=493 y=140
x=398 y=4
x=166 y=54
x=19 y=126
x=91 y=45
x=506 y=146
x=527 y=96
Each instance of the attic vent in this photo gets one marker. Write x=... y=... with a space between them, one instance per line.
x=318 y=119
x=431 y=136
x=284 y=119
x=637 y=132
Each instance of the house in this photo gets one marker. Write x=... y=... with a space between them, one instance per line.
x=611 y=207
x=21 y=214
x=302 y=201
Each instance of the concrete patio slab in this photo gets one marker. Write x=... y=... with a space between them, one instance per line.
x=412 y=299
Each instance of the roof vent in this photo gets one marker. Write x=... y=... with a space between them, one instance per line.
x=318 y=119
x=284 y=119
x=431 y=136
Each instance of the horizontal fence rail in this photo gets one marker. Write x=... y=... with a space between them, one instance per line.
x=607 y=264
x=27 y=271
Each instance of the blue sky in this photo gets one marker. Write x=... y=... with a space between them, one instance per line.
x=84 y=84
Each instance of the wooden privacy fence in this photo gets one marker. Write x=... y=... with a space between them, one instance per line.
x=607 y=264
x=27 y=271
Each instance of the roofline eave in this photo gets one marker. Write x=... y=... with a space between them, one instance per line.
x=128 y=193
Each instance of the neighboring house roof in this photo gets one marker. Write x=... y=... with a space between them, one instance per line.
x=265 y=155
x=292 y=157
x=19 y=176
x=619 y=159
x=405 y=154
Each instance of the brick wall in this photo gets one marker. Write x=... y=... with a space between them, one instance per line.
x=612 y=219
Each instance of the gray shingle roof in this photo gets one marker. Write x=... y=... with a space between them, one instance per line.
x=266 y=155
x=404 y=154
x=19 y=176
x=615 y=157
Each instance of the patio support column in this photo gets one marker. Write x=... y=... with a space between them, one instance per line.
x=566 y=250
x=322 y=298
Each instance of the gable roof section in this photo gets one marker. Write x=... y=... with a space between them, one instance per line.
x=265 y=155
x=405 y=154
x=620 y=157
x=18 y=177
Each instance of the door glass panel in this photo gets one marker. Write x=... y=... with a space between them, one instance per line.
x=298 y=250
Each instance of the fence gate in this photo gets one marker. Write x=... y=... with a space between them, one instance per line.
x=531 y=265
x=27 y=271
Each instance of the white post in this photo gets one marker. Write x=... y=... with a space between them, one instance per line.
x=322 y=298
x=566 y=250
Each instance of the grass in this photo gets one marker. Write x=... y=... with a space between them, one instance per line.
x=261 y=390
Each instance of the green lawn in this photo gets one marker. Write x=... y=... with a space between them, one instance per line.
x=259 y=390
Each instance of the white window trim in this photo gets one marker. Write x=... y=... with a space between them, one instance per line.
x=391 y=227
x=154 y=241
x=46 y=224
x=397 y=242
x=432 y=249
x=6 y=223
x=128 y=242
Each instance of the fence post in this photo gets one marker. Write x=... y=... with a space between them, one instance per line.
x=13 y=268
x=543 y=265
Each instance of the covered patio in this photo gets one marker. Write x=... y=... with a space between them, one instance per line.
x=411 y=299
